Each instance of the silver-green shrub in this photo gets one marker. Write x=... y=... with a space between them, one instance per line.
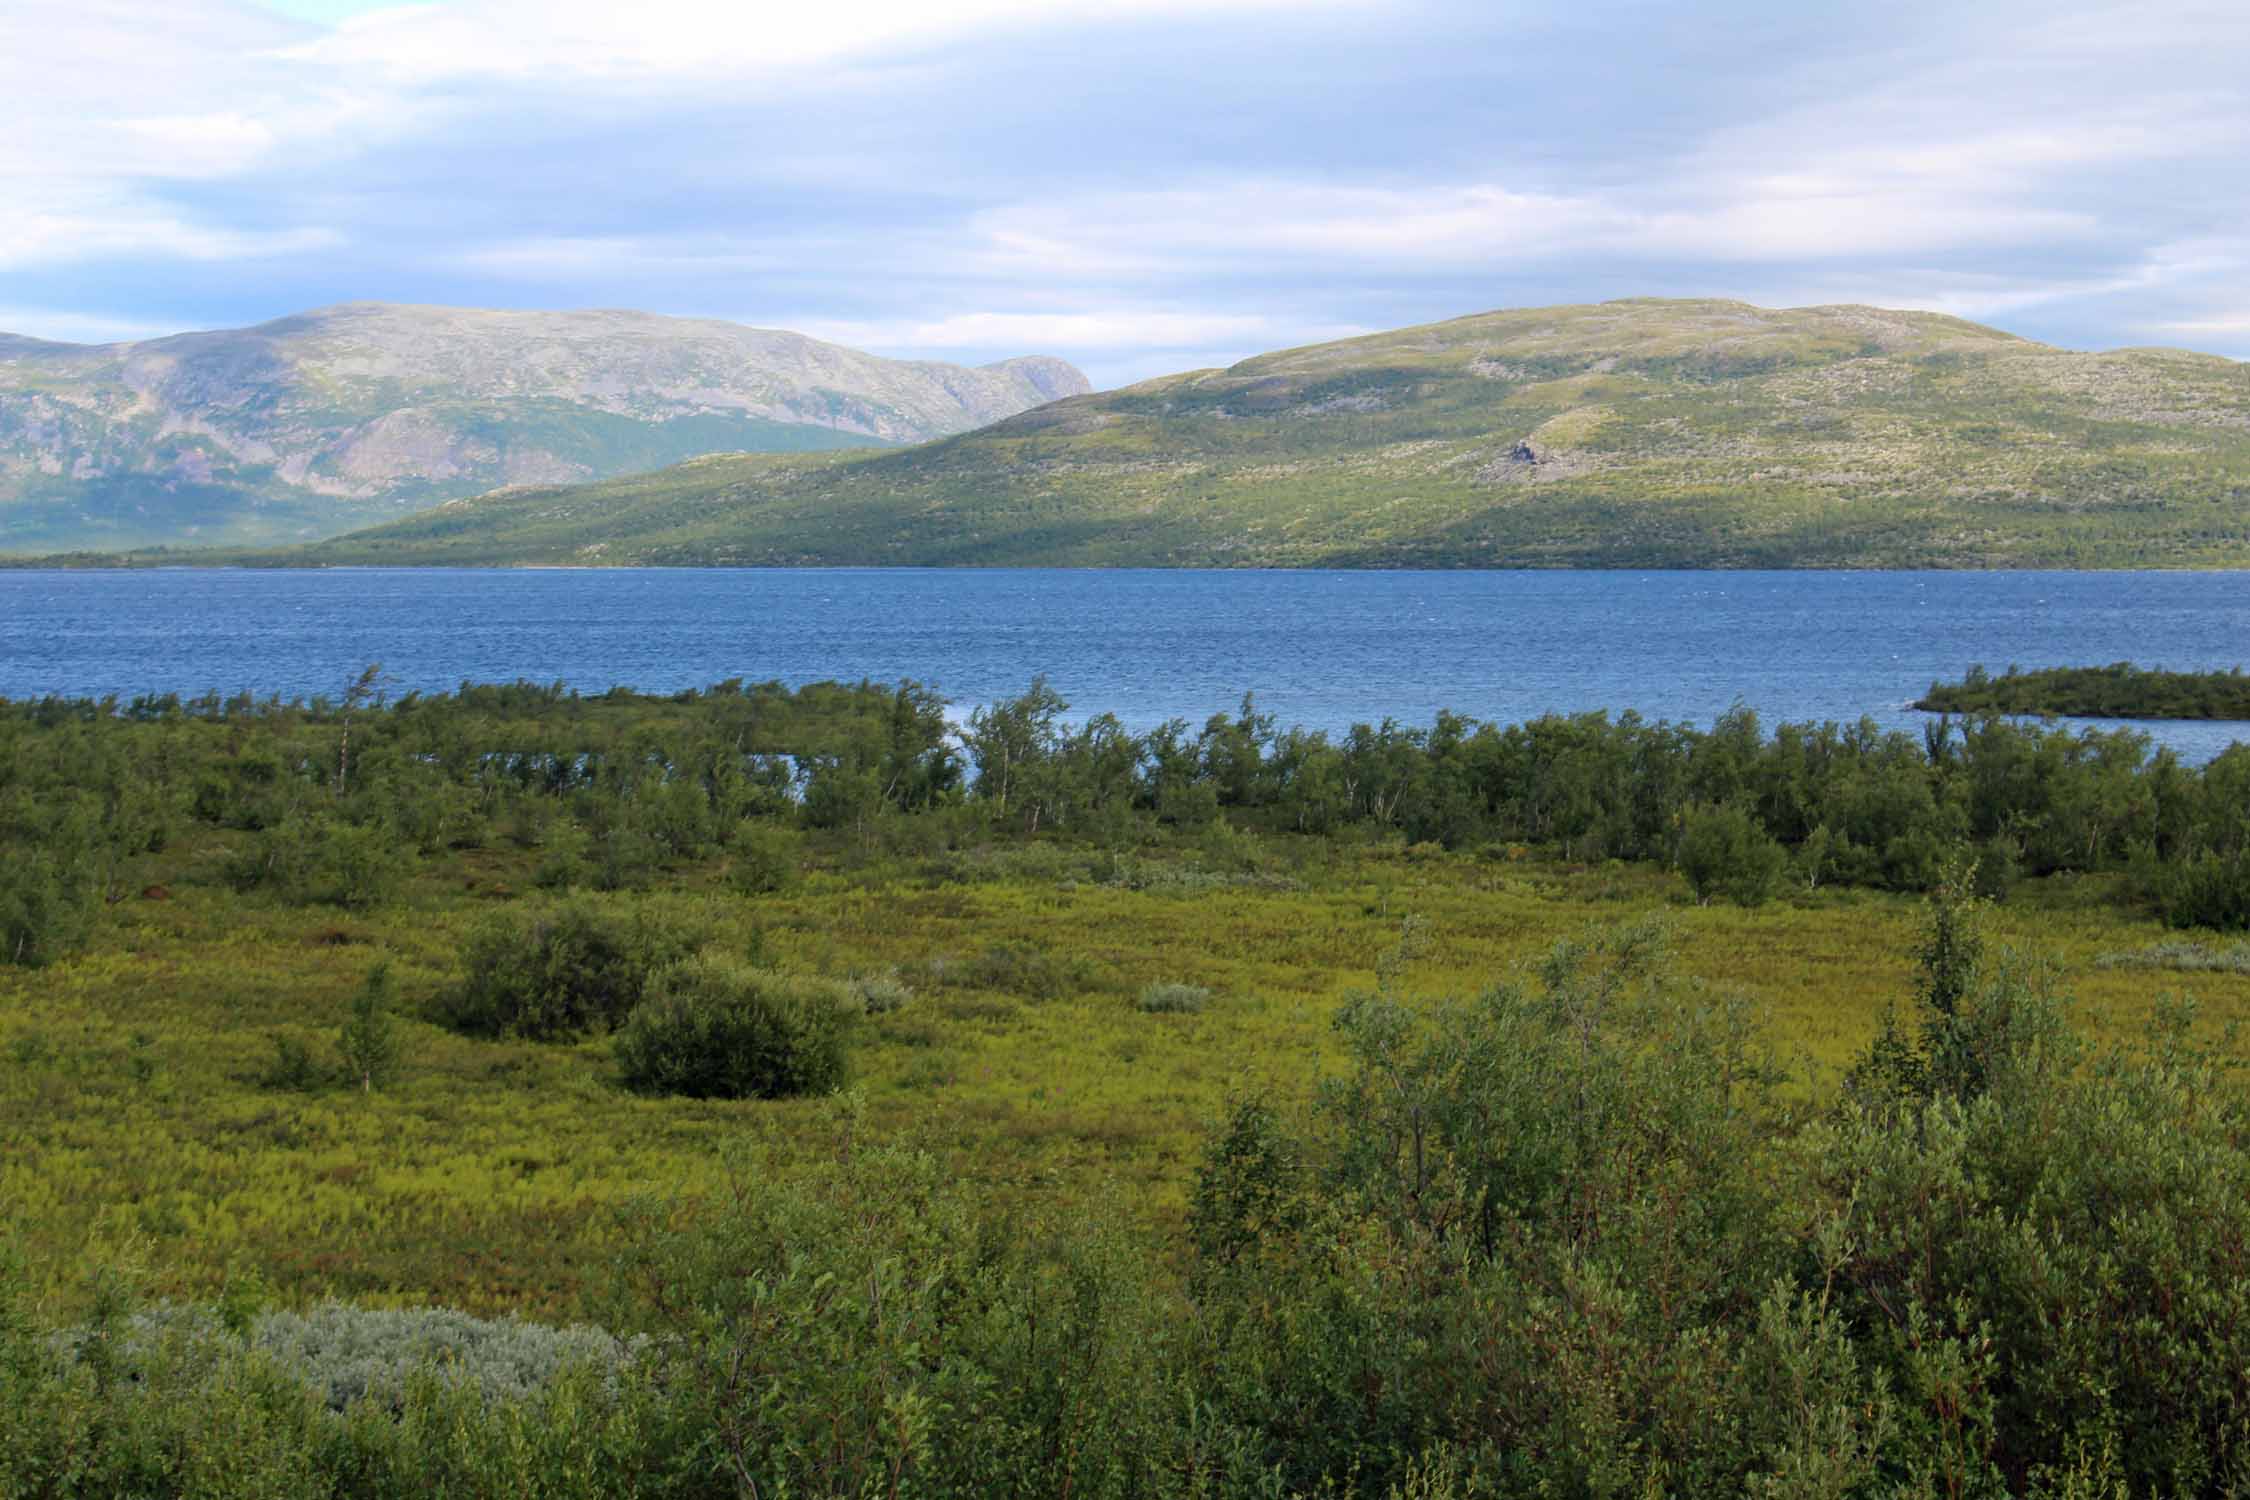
x=1167 y=998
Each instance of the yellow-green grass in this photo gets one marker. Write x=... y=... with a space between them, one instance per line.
x=488 y=1177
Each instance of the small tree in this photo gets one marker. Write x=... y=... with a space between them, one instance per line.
x=369 y=1039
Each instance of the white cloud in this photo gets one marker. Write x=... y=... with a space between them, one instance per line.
x=697 y=38
x=218 y=144
x=2025 y=156
x=109 y=228
x=65 y=327
x=1116 y=328
x=579 y=257
x=2225 y=325
x=1482 y=226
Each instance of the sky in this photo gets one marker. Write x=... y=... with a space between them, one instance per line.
x=1140 y=186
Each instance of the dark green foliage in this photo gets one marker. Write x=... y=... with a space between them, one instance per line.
x=1254 y=1191
x=46 y=906
x=764 y=858
x=314 y=858
x=1977 y=1018
x=293 y=1068
x=711 y=1027
x=1725 y=852
x=2210 y=890
x=2118 y=691
x=619 y=790
x=576 y=968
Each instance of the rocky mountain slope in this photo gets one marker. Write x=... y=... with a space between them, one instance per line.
x=1636 y=433
x=351 y=415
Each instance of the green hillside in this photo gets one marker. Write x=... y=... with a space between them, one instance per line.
x=1638 y=433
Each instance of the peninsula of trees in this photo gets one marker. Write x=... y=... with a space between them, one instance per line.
x=2117 y=691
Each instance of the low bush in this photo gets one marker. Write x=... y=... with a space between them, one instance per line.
x=314 y=859
x=2211 y=890
x=1026 y=972
x=1169 y=999
x=712 y=1027
x=581 y=967
x=880 y=994
x=293 y=1069
x=346 y=1354
x=766 y=858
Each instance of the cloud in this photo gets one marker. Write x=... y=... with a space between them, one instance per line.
x=65 y=327
x=1108 y=329
x=696 y=38
x=111 y=228
x=1127 y=181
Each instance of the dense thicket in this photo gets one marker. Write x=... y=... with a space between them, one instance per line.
x=335 y=801
x=2117 y=691
x=1577 y=1235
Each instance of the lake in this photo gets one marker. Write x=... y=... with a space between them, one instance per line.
x=1322 y=649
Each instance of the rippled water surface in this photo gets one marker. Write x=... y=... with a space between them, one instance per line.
x=1322 y=649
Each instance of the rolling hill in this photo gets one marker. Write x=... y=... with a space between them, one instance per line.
x=361 y=413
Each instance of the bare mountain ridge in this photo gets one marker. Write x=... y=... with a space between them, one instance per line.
x=350 y=415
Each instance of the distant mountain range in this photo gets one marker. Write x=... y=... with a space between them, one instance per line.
x=1636 y=433
x=351 y=415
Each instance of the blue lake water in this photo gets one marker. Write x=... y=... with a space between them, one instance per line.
x=1322 y=649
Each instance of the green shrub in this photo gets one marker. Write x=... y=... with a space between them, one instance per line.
x=1165 y=998
x=1725 y=851
x=767 y=858
x=1253 y=1188
x=581 y=967
x=313 y=858
x=2211 y=890
x=563 y=849
x=715 y=1028
x=293 y=1068
x=46 y=907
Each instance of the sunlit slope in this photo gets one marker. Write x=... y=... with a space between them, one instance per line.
x=1638 y=433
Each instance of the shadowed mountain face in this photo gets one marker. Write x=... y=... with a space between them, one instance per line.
x=352 y=415
x=1639 y=433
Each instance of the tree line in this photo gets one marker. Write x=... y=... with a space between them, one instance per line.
x=338 y=799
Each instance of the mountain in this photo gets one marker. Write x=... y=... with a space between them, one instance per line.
x=1641 y=433
x=349 y=415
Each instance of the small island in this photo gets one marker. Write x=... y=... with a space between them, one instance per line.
x=2117 y=691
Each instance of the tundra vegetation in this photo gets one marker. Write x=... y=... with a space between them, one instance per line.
x=757 y=1092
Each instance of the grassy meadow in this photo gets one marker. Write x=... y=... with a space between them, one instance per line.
x=489 y=1176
